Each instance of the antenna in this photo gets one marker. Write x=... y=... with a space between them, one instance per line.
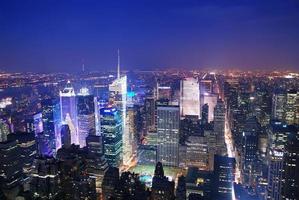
x=118 y=64
x=83 y=68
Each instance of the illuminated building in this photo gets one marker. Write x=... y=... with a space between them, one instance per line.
x=163 y=92
x=219 y=127
x=43 y=142
x=11 y=171
x=118 y=98
x=68 y=110
x=278 y=105
x=96 y=162
x=224 y=168
x=50 y=124
x=291 y=107
x=199 y=182
x=28 y=149
x=168 y=120
x=132 y=131
x=277 y=134
x=85 y=115
x=249 y=150
x=111 y=129
x=4 y=131
x=290 y=175
x=45 y=178
x=150 y=113
x=197 y=154
x=211 y=100
x=190 y=99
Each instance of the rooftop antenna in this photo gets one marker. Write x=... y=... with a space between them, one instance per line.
x=118 y=64
x=83 y=68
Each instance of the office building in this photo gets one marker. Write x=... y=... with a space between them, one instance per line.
x=85 y=115
x=111 y=129
x=68 y=111
x=224 y=168
x=190 y=99
x=219 y=127
x=168 y=120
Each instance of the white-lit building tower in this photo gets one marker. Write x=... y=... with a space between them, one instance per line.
x=118 y=98
x=68 y=110
x=190 y=98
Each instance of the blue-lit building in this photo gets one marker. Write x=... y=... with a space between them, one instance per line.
x=51 y=120
x=111 y=129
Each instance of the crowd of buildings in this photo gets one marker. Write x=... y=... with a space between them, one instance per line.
x=229 y=136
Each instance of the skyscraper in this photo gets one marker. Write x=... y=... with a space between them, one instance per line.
x=291 y=107
x=50 y=121
x=11 y=171
x=68 y=110
x=277 y=136
x=219 y=127
x=278 y=105
x=224 y=168
x=190 y=99
x=168 y=120
x=211 y=100
x=290 y=175
x=86 y=115
x=118 y=98
x=111 y=129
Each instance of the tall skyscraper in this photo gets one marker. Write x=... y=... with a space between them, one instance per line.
x=190 y=99
x=4 y=131
x=111 y=129
x=85 y=115
x=219 y=127
x=11 y=171
x=211 y=100
x=290 y=175
x=168 y=120
x=50 y=120
x=277 y=136
x=224 y=168
x=278 y=105
x=68 y=110
x=249 y=150
x=118 y=98
x=291 y=106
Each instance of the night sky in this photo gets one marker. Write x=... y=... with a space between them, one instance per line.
x=51 y=36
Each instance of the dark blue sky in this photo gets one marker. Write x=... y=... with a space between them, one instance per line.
x=49 y=35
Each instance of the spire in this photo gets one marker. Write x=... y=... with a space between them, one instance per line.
x=118 y=64
x=83 y=68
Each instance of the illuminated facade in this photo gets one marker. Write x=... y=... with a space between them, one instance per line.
x=68 y=111
x=190 y=99
x=50 y=124
x=86 y=115
x=291 y=107
x=111 y=129
x=278 y=106
x=168 y=120
x=211 y=100
x=118 y=98
x=4 y=131
x=219 y=127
